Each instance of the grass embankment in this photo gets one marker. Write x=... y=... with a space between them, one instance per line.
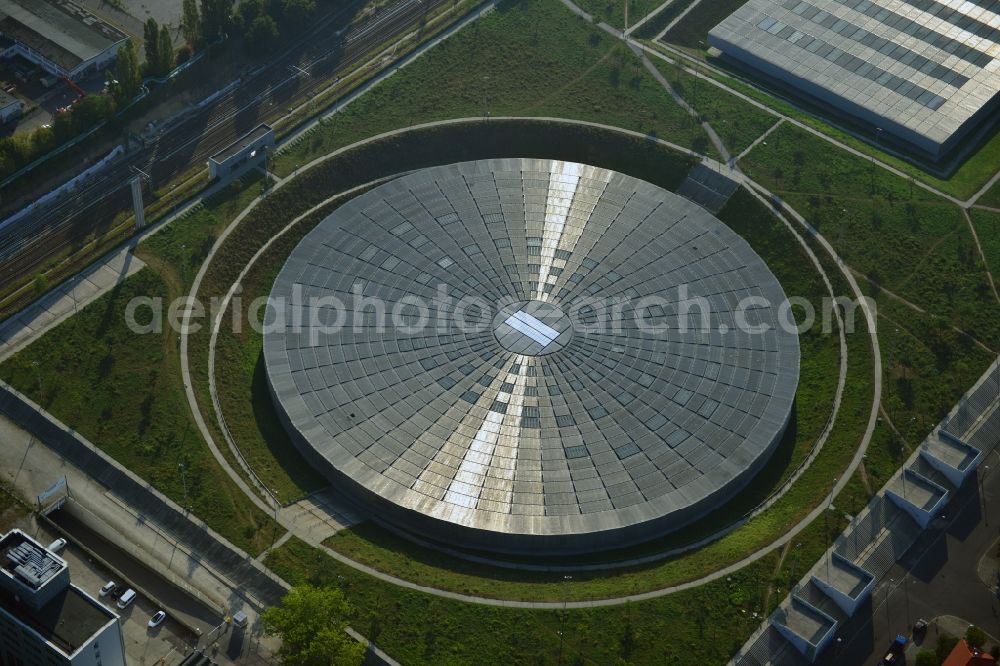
x=529 y=58
x=896 y=236
x=737 y=122
x=914 y=244
x=987 y=225
x=122 y=391
x=690 y=628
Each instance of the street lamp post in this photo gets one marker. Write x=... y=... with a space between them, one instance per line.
x=184 y=482
x=562 y=619
x=38 y=379
x=878 y=136
x=888 y=590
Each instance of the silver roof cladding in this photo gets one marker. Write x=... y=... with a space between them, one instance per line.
x=472 y=435
x=925 y=71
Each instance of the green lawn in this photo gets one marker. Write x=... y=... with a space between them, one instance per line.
x=988 y=229
x=527 y=58
x=691 y=628
x=121 y=391
x=903 y=238
x=991 y=197
x=737 y=122
x=612 y=12
x=13 y=510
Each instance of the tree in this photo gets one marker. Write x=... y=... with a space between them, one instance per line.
x=927 y=657
x=946 y=643
x=262 y=34
x=40 y=284
x=191 y=23
x=151 y=38
x=298 y=14
x=127 y=72
x=975 y=637
x=166 y=52
x=215 y=17
x=310 y=622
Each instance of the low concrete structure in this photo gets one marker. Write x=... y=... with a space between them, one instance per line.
x=60 y=36
x=917 y=495
x=806 y=627
x=847 y=584
x=247 y=147
x=950 y=456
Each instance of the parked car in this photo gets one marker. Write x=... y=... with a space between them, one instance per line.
x=108 y=588
x=127 y=598
x=117 y=591
x=57 y=546
x=920 y=628
x=156 y=620
x=896 y=653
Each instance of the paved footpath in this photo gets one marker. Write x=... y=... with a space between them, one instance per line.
x=22 y=329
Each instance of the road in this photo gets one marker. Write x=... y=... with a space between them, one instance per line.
x=937 y=576
x=260 y=96
x=178 y=605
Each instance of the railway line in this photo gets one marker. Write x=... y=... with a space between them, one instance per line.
x=262 y=95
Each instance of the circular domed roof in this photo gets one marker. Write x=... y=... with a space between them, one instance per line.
x=531 y=355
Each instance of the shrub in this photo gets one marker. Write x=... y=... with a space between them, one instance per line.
x=927 y=657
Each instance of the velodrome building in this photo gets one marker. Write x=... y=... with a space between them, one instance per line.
x=526 y=416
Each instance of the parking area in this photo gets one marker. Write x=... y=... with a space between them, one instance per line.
x=143 y=645
x=42 y=93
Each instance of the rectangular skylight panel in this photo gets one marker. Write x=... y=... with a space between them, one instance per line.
x=536 y=330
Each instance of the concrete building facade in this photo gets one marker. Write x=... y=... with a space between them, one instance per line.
x=45 y=620
x=60 y=36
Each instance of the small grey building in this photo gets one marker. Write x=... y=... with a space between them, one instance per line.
x=247 y=147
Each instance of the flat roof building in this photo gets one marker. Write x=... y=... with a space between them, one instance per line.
x=44 y=619
x=923 y=71
x=58 y=35
x=241 y=151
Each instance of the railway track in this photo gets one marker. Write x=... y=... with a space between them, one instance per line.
x=262 y=96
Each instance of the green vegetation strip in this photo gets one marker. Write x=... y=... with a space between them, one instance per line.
x=692 y=30
x=663 y=18
x=528 y=58
x=737 y=122
x=897 y=236
x=691 y=628
x=122 y=390
x=612 y=12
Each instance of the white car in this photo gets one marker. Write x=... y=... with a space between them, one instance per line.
x=57 y=545
x=156 y=620
x=108 y=588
